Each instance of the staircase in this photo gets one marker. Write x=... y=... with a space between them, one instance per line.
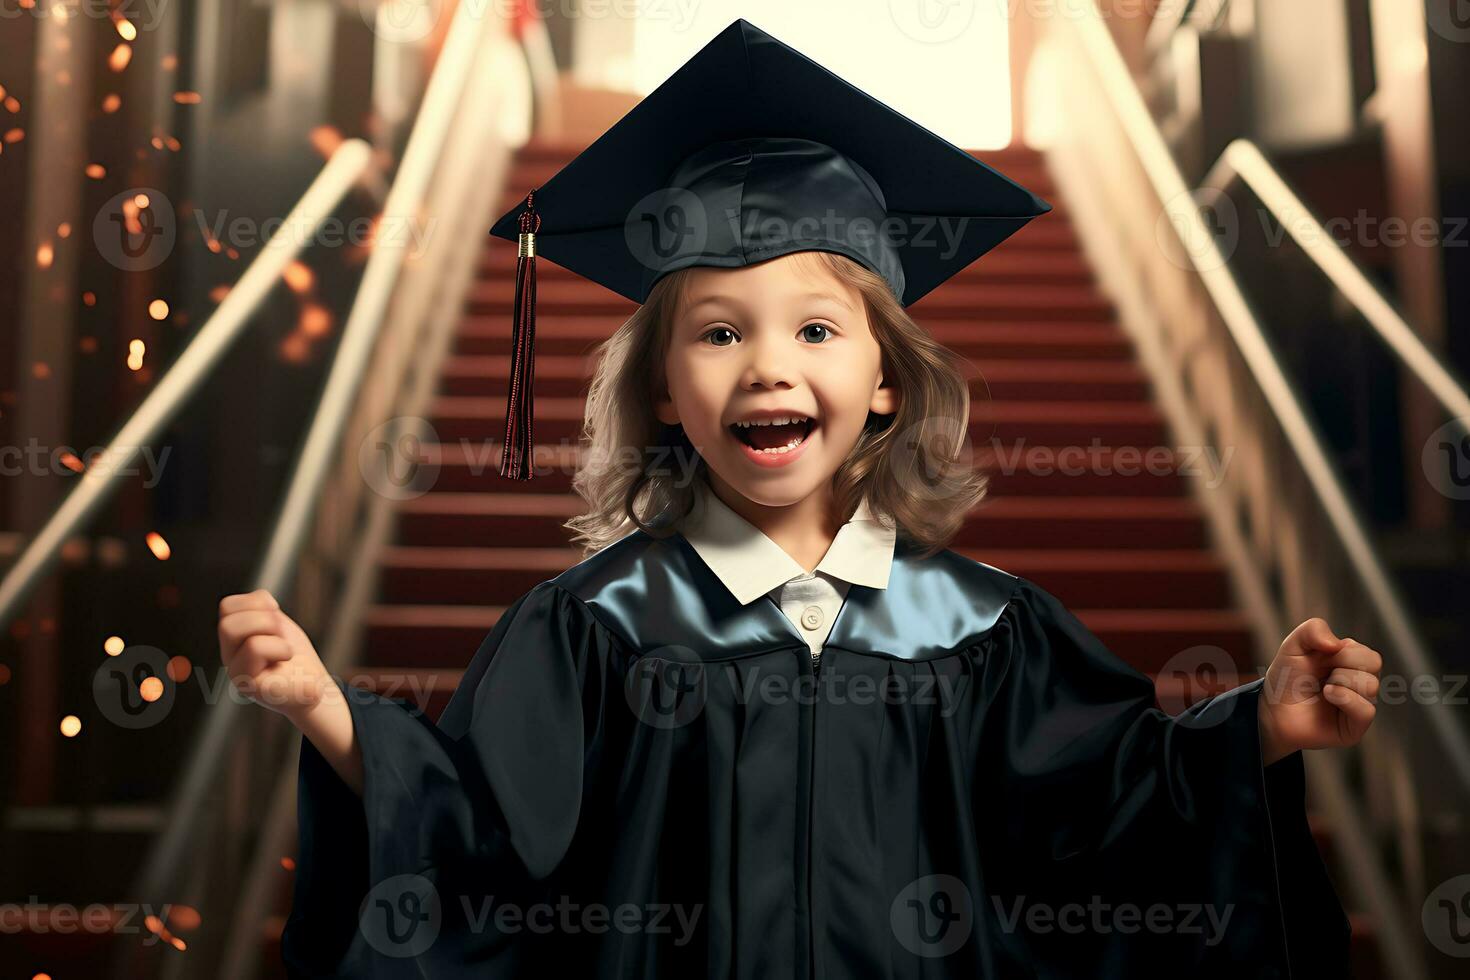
x=1116 y=536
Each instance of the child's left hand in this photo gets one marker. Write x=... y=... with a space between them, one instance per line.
x=1319 y=693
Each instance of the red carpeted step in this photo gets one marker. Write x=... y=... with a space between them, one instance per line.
x=1051 y=303
x=1138 y=578
x=568 y=376
x=580 y=335
x=1016 y=469
x=446 y=637
x=1000 y=266
x=1061 y=423
x=535 y=520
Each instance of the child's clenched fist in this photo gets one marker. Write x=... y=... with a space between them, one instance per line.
x=268 y=656
x=1320 y=692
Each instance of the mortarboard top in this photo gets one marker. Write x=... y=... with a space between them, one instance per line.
x=749 y=151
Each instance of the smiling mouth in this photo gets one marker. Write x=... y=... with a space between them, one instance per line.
x=773 y=439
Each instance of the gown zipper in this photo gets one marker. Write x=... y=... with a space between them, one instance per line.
x=811 y=915
x=811 y=799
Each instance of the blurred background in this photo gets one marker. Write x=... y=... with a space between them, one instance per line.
x=253 y=334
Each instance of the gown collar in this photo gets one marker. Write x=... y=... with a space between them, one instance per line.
x=751 y=565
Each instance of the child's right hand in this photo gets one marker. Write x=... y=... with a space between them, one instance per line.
x=268 y=656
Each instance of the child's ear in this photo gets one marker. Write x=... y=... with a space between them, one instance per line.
x=885 y=399
x=663 y=407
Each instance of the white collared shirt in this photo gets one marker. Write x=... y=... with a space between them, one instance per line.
x=751 y=565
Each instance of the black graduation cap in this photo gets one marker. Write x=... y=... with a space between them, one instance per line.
x=749 y=151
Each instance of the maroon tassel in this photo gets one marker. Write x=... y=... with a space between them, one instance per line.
x=515 y=455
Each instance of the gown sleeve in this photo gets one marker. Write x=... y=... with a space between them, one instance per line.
x=1136 y=839
x=480 y=807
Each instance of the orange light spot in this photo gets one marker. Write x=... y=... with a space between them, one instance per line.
x=96 y=171
x=71 y=462
x=136 y=350
x=121 y=55
x=63 y=230
x=172 y=143
x=88 y=345
x=187 y=98
x=158 y=309
x=157 y=142
x=113 y=645
x=44 y=255
x=70 y=726
x=326 y=139
x=169 y=62
x=151 y=689
x=179 y=668
x=288 y=863
x=89 y=298
x=15 y=135
x=294 y=348
x=157 y=545
x=40 y=370
x=126 y=30
x=316 y=320
x=12 y=103
x=111 y=102
x=298 y=276
x=183 y=917
x=140 y=201
x=218 y=293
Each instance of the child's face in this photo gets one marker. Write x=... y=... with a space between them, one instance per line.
x=785 y=335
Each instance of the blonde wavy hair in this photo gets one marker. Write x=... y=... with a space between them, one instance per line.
x=913 y=466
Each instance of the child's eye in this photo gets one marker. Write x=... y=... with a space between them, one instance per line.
x=819 y=326
x=721 y=337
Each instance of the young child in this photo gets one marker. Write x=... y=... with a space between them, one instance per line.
x=772 y=727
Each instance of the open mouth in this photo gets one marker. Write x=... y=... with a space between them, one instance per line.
x=773 y=439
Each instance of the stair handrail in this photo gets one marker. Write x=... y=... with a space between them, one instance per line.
x=1402 y=642
x=348 y=164
x=1213 y=269
x=164 y=870
x=474 y=195
x=1245 y=161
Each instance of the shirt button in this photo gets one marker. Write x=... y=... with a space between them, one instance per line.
x=811 y=617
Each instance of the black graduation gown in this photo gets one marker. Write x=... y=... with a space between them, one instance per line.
x=638 y=777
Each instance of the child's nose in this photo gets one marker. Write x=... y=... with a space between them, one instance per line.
x=770 y=363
